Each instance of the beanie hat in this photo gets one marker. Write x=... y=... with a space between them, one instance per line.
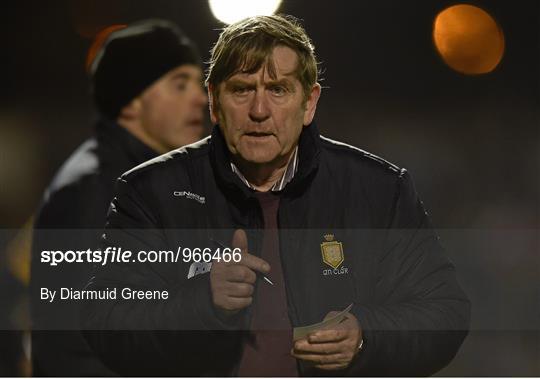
x=133 y=58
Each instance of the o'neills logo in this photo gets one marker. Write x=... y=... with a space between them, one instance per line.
x=190 y=195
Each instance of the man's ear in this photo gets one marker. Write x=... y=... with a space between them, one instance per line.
x=311 y=104
x=213 y=106
x=131 y=111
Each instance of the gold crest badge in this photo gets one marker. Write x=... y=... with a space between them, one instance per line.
x=332 y=251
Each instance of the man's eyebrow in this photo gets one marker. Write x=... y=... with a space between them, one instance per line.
x=283 y=81
x=181 y=75
x=239 y=81
x=242 y=81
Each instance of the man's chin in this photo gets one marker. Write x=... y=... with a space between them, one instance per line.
x=258 y=157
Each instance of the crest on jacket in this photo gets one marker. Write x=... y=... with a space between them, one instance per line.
x=332 y=251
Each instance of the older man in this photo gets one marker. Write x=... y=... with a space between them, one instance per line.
x=320 y=225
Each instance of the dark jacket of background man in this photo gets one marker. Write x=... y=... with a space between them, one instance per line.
x=77 y=198
x=133 y=61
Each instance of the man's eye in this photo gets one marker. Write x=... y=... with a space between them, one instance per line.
x=278 y=90
x=240 y=90
x=181 y=86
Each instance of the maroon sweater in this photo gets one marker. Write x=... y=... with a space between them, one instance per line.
x=268 y=351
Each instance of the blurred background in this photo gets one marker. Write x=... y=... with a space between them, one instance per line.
x=454 y=97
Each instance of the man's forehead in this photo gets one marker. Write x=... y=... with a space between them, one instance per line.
x=244 y=76
x=285 y=59
x=281 y=64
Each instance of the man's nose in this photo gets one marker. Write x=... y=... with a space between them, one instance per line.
x=259 y=110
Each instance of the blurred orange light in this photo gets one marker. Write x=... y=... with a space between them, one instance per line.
x=468 y=39
x=98 y=42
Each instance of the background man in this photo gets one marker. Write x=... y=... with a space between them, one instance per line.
x=292 y=196
x=147 y=85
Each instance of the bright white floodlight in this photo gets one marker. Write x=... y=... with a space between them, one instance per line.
x=229 y=11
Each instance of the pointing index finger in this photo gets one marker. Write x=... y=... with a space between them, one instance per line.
x=255 y=263
x=240 y=241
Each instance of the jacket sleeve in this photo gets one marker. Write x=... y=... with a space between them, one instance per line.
x=420 y=315
x=64 y=222
x=164 y=337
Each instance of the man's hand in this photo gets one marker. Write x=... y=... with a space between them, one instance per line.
x=331 y=349
x=232 y=282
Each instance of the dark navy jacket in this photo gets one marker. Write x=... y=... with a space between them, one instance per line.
x=413 y=313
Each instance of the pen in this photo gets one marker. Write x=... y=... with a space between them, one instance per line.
x=260 y=275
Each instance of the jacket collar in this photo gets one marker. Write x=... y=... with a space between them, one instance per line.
x=115 y=137
x=308 y=156
x=286 y=177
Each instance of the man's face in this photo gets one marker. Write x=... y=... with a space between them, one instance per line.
x=261 y=117
x=171 y=110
